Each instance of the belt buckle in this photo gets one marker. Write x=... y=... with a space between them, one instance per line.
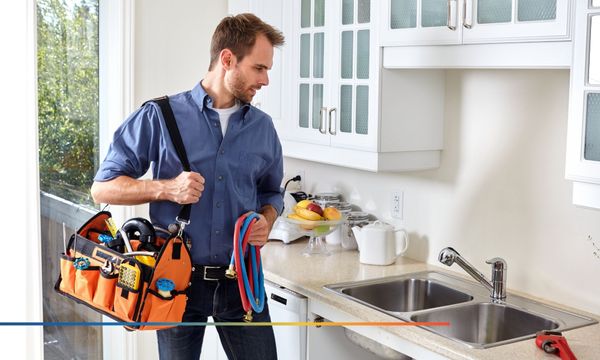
x=204 y=275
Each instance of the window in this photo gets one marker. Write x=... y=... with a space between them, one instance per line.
x=68 y=115
x=68 y=97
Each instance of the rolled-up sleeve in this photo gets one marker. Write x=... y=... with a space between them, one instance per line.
x=134 y=146
x=269 y=186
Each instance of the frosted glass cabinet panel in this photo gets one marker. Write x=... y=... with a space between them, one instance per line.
x=494 y=11
x=594 y=44
x=596 y=3
x=591 y=150
x=536 y=10
x=310 y=67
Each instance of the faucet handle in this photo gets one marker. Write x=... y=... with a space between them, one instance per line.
x=497 y=263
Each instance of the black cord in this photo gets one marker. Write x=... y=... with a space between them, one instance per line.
x=295 y=178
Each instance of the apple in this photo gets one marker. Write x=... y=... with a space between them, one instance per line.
x=315 y=207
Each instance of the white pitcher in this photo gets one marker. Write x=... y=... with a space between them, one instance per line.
x=379 y=243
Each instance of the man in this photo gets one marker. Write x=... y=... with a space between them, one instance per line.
x=237 y=166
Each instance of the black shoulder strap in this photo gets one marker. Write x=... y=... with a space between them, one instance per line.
x=165 y=107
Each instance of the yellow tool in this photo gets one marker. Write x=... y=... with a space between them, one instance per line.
x=129 y=276
x=112 y=227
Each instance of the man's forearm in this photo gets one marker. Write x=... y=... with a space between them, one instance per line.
x=124 y=190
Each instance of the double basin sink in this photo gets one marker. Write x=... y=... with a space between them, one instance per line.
x=474 y=319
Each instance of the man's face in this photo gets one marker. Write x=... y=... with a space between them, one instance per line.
x=245 y=78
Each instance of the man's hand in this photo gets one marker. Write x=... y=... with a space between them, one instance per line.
x=260 y=232
x=262 y=227
x=186 y=188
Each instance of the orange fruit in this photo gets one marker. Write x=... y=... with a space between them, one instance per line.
x=331 y=213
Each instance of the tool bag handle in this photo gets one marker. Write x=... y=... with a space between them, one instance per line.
x=167 y=111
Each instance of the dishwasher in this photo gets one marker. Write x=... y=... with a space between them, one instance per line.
x=288 y=306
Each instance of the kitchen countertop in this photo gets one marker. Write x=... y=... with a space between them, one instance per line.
x=285 y=265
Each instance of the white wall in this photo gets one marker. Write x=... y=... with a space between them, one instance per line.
x=500 y=190
x=172 y=44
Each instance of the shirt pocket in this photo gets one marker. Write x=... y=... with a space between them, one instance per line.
x=249 y=169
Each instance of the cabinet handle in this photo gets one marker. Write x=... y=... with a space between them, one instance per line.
x=467 y=14
x=322 y=124
x=332 y=121
x=451 y=20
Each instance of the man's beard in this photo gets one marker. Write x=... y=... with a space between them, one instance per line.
x=239 y=88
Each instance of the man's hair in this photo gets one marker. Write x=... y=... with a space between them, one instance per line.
x=238 y=34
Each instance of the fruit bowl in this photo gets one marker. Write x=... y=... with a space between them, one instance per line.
x=315 y=230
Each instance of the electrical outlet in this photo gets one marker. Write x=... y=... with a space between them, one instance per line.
x=300 y=184
x=397 y=203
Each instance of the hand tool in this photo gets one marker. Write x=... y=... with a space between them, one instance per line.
x=552 y=342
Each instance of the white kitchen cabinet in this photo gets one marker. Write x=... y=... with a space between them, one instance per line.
x=334 y=74
x=436 y=22
x=500 y=33
x=327 y=90
x=583 y=138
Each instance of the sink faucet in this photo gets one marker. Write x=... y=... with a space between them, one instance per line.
x=497 y=286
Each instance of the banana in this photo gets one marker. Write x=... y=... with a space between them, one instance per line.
x=300 y=218
x=307 y=214
x=303 y=203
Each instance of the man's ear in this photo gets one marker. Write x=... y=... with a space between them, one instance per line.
x=227 y=59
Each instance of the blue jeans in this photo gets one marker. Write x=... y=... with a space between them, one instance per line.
x=221 y=300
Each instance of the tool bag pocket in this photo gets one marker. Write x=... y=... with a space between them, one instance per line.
x=125 y=303
x=67 y=275
x=105 y=292
x=158 y=308
x=86 y=282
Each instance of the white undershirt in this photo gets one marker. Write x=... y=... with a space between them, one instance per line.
x=225 y=114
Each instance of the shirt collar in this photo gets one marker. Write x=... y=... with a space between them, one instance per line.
x=201 y=98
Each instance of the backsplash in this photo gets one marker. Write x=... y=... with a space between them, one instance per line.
x=500 y=190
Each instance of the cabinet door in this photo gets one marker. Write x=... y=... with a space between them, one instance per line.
x=487 y=21
x=353 y=114
x=311 y=49
x=583 y=137
x=420 y=22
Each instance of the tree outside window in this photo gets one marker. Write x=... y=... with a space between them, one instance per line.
x=68 y=97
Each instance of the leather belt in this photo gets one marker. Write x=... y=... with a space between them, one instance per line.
x=211 y=273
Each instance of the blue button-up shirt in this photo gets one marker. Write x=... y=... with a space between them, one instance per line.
x=242 y=171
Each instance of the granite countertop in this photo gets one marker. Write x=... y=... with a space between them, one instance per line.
x=285 y=265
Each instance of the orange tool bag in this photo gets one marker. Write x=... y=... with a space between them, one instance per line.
x=130 y=286
x=121 y=286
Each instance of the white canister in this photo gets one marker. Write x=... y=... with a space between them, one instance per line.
x=335 y=237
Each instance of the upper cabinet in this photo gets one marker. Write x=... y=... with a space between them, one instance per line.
x=533 y=33
x=437 y=22
x=583 y=139
x=335 y=71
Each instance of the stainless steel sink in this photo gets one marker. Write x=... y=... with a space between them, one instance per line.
x=404 y=295
x=482 y=324
x=474 y=319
